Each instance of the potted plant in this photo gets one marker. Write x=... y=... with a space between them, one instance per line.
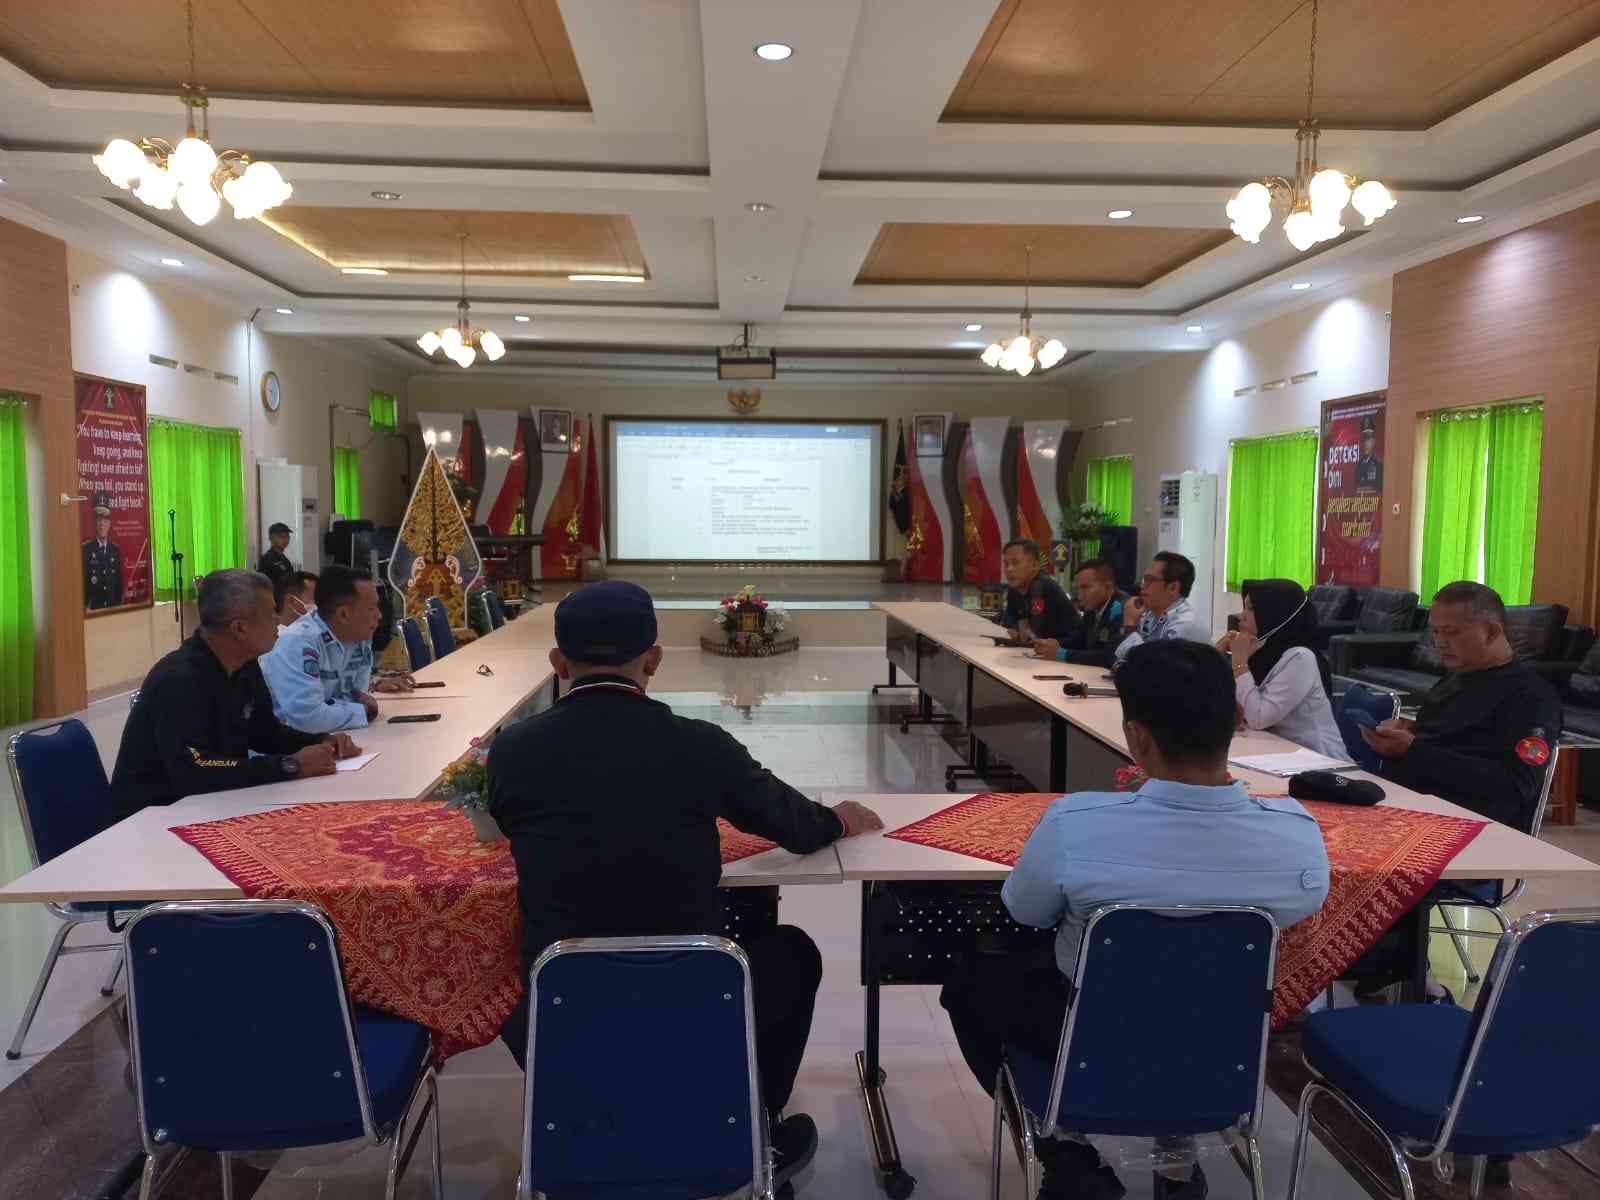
x=464 y=784
x=1081 y=525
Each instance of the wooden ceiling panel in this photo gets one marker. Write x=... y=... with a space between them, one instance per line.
x=498 y=243
x=1379 y=63
x=1063 y=255
x=512 y=53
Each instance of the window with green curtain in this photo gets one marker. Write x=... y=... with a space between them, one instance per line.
x=1110 y=485
x=1511 y=500
x=347 y=482
x=16 y=565
x=1272 y=508
x=381 y=414
x=197 y=472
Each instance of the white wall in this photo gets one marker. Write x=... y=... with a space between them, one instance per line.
x=1185 y=412
x=119 y=319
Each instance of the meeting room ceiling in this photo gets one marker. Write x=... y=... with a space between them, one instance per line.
x=866 y=200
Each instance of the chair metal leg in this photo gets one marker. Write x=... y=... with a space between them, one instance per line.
x=110 y=985
x=994 y=1149
x=225 y=1160
x=438 y=1137
x=1258 y=1181
x=1460 y=943
x=15 y=1051
x=1308 y=1098
x=1480 y=1165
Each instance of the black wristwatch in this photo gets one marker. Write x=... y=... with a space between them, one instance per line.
x=289 y=765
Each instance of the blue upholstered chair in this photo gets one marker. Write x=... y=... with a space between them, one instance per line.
x=444 y=642
x=1379 y=704
x=244 y=1039
x=641 y=1076
x=1519 y=1072
x=417 y=651
x=497 y=609
x=64 y=798
x=1123 y=1031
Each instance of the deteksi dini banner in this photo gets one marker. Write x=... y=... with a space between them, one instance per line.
x=113 y=479
x=1350 y=492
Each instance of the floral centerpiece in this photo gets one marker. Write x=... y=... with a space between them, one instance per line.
x=464 y=784
x=751 y=626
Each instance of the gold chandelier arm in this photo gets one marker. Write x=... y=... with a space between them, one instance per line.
x=1311 y=69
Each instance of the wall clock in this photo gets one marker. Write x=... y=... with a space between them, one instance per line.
x=271 y=391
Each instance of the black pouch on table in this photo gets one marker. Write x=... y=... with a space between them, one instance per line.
x=1334 y=788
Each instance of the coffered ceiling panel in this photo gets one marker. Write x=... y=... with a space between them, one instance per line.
x=500 y=52
x=1380 y=63
x=498 y=243
x=1062 y=255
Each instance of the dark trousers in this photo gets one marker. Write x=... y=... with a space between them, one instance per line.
x=785 y=972
x=1006 y=999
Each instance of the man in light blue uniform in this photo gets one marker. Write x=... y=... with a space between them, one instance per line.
x=1188 y=836
x=321 y=667
x=1161 y=611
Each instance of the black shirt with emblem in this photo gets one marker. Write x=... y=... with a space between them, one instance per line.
x=1483 y=739
x=610 y=801
x=192 y=731
x=1044 y=606
x=275 y=566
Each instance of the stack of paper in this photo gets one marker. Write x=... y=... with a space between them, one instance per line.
x=1290 y=763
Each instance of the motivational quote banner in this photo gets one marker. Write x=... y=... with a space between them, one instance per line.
x=1350 y=492
x=114 y=479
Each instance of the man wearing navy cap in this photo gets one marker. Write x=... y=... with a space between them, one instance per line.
x=611 y=802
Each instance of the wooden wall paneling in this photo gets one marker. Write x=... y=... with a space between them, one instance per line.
x=36 y=358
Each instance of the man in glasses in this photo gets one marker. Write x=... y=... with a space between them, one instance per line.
x=1161 y=611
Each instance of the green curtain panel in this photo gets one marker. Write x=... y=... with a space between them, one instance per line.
x=16 y=566
x=381 y=414
x=1452 y=506
x=198 y=472
x=1272 y=509
x=347 y=482
x=1111 y=486
x=1511 y=500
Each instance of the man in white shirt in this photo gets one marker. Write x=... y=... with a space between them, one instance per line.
x=1161 y=611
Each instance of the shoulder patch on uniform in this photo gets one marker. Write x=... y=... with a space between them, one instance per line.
x=1533 y=749
x=310 y=662
x=1038 y=605
x=327 y=638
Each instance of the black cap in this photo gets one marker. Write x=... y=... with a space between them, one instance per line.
x=606 y=624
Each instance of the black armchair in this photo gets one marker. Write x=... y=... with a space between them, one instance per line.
x=1381 y=610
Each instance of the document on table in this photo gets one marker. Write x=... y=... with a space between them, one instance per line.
x=1291 y=763
x=356 y=763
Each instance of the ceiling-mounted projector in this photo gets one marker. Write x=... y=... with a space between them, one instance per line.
x=742 y=361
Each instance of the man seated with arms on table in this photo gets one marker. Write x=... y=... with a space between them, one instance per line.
x=1188 y=836
x=322 y=665
x=205 y=707
x=294 y=596
x=1035 y=606
x=1483 y=734
x=1100 y=604
x=1161 y=611
x=611 y=804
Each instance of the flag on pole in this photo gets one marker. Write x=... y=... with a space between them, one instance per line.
x=592 y=522
x=900 y=490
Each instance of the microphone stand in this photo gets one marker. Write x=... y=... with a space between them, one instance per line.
x=177 y=569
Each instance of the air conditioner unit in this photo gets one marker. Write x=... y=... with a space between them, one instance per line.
x=1188 y=525
x=741 y=363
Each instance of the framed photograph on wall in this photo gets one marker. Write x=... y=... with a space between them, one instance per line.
x=930 y=435
x=555 y=429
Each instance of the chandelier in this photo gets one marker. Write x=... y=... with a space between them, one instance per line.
x=1315 y=198
x=192 y=173
x=1023 y=352
x=459 y=340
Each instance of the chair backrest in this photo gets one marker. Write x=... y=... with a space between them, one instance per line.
x=1132 y=1058
x=1545 y=785
x=641 y=1077
x=1380 y=705
x=1536 y=631
x=497 y=610
x=1332 y=601
x=1386 y=610
x=241 y=1028
x=444 y=642
x=1532 y=1063
x=417 y=651
x=61 y=786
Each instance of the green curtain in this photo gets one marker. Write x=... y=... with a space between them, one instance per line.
x=198 y=472
x=1111 y=486
x=347 y=482
x=16 y=566
x=1272 y=509
x=1452 y=506
x=1511 y=499
x=381 y=415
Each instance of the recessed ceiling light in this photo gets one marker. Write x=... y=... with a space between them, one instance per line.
x=286 y=312
x=759 y=206
x=590 y=278
x=1299 y=287
x=1194 y=328
x=381 y=195
x=172 y=262
x=1120 y=214
x=755 y=278
x=522 y=318
x=362 y=271
x=774 y=51
x=1471 y=219
x=974 y=328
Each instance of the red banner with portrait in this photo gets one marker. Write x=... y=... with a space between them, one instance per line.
x=114 y=480
x=1350 y=492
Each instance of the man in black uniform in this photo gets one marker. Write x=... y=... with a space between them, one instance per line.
x=1035 y=606
x=205 y=706
x=1482 y=737
x=275 y=564
x=1369 y=470
x=1100 y=604
x=611 y=801
x=102 y=560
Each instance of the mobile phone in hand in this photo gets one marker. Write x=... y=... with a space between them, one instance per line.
x=1361 y=717
x=414 y=718
x=430 y=683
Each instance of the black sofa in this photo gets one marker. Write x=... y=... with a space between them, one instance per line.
x=1363 y=610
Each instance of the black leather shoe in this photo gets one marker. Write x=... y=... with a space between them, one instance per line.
x=794 y=1145
x=1497 y=1171
x=1192 y=1188
x=1073 y=1171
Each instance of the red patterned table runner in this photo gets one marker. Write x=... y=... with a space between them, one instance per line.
x=1382 y=859
x=427 y=915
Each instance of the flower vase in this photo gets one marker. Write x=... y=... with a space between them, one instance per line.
x=484 y=825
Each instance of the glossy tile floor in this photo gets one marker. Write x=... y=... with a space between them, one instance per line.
x=810 y=718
